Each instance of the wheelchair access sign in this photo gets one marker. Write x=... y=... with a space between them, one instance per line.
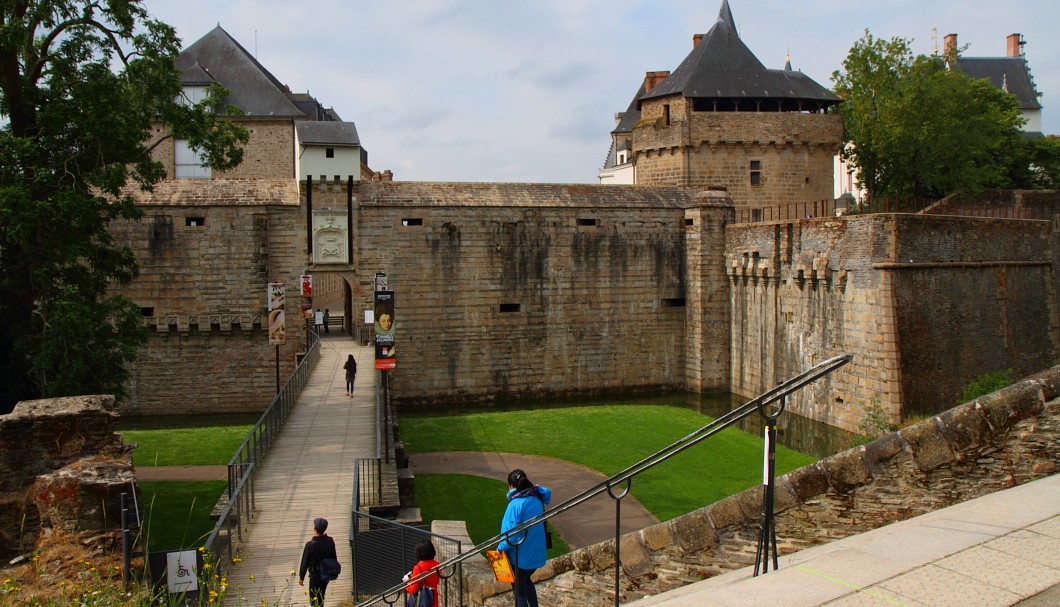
x=182 y=572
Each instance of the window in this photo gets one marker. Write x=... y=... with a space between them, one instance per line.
x=666 y=114
x=510 y=307
x=187 y=164
x=329 y=152
x=585 y=221
x=756 y=172
x=412 y=221
x=194 y=222
x=192 y=95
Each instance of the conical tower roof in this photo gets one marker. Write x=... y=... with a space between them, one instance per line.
x=722 y=67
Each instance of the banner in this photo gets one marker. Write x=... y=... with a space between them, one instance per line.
x=384 y=331
x=277 y=325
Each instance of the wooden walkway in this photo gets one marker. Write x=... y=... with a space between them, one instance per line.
x=309 y=474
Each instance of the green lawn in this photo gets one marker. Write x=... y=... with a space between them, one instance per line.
x=196 y=446
x=610 y=439
x=478 y=501
x=177 y=513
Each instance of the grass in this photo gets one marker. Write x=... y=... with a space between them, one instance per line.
x=478 y=501
x=609 y=439
x=177 y=513
x=169 y=446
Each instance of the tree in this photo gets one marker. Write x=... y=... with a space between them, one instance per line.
x=919 y=127
x=83 y=84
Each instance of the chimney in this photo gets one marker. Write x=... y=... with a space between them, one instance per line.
x=652 y=79
x=696 y=38
x=1014 y=45
x=949 y=43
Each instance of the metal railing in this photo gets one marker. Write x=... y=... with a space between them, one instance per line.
x=239 y=509
x=383 y=552
x=619 y=485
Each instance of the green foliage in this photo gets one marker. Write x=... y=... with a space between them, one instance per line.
x=169 y=447
x=986 y=384
x=921 y=129
x=875 y=423
x=177 y=513
x=82 y=84
x=478 y=501
x=609 y=439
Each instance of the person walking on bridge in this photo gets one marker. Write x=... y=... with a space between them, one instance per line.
x=351 y=373
x=318 y=548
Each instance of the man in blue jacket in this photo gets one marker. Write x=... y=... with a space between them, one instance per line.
x=526 y=551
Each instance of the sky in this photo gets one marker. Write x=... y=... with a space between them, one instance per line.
x=494 y=91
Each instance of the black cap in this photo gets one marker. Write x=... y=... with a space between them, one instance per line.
x=320 y=524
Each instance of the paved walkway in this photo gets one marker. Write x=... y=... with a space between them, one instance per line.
x=309 y=473
x=585 y=525
x=995 y=551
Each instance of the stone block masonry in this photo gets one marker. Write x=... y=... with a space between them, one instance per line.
x=208 y=249
x=62 y=467
x=528 y=290
x=996 y=442
x=903 y=293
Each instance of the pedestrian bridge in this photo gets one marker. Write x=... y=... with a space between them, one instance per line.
x=307 y=474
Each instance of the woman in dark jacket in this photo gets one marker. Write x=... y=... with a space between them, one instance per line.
x=351 y=374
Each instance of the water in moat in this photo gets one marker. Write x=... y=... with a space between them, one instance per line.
x=793 y=431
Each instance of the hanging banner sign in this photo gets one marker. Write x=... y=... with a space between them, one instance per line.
x=277 y=325
x=384 y=331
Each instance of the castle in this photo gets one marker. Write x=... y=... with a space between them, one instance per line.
x=541 y=290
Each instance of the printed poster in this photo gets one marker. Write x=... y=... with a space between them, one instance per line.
x=384 y=331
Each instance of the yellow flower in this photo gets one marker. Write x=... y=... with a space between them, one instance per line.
x=205 y=565
x=202 y=548
x=251 y=577
x=236 y=559
x=292 y=572
x=213 y=593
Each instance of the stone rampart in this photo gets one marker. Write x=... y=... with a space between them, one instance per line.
x=998 y=441
x=903 y=293
x=207 y=250
x=527 y=290
x=61 y=467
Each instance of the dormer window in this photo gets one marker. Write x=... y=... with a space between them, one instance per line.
x=192 y=95
x=329 y=152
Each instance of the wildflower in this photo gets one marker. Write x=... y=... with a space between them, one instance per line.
x=292 y=572
x=252 y=576
x=236 y=559
x=205 y=565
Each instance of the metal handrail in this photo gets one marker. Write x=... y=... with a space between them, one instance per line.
x=243 y=464
x=756 y=404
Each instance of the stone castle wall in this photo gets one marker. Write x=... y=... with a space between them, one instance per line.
x=520 y=290
x=208 y=249
x=526 y=290
x=903 y=293
x=702 y=149
x=998 y=441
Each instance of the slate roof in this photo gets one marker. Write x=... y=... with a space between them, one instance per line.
x=338 y=134
x=722 y=67
x=253 y=89
x=1008 y=73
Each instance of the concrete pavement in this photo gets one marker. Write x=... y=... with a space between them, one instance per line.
x=994 y=551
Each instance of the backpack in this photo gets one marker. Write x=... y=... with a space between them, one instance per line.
x=329 y=569
x=423 y=598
